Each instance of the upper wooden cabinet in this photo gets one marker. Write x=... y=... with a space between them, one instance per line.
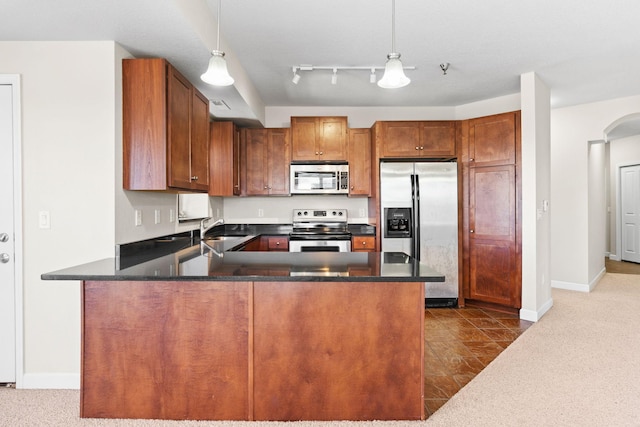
x=359 y=162
x=224 y=159
x=319 y=138
x=266 y=159
x=433 y=139
x=492 y=139
x=165 y=129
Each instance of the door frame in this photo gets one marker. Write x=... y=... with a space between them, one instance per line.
x=619 y=166
x=14 y=80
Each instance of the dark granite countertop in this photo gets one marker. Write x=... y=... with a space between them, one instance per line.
x=215 y=260
x=183 y=257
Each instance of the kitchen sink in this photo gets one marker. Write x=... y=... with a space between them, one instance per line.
x=221 y=238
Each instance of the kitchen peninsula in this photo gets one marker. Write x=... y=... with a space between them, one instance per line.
x=207 y=333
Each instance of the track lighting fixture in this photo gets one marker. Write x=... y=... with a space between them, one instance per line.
x=297 y=69
x=296 y=76
x=217 y=74
x=393 y=76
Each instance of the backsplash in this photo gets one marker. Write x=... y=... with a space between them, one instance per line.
x=277 y=210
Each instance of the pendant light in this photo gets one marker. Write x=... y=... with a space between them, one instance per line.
x=217 y=74
x=393 y=77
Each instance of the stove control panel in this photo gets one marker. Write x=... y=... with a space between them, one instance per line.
x=339 y=215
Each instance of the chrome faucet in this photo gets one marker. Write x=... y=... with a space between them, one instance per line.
x=204 y=229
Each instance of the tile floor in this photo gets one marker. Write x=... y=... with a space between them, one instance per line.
x=459 y=343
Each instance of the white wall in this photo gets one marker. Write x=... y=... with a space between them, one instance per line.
x=597 y=209
x=536 y=277
x=365 y=117
x=68 y=118
x=278 y=210
x=571 y=130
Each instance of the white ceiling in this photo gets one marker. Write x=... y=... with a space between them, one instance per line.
x=584 y=51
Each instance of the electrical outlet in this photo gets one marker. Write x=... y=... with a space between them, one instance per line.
x=260 y=213
x=138 y=217
x=361 y=211
x=172 y=215
x=156 y=216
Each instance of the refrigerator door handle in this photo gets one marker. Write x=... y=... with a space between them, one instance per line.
x=415 y=201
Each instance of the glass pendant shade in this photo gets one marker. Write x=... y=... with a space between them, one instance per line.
x=393 y=77
x=217 y=74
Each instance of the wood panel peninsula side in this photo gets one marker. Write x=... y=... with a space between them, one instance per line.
x=248 y=338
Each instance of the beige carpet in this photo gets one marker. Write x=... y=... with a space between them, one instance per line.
x=578 y=366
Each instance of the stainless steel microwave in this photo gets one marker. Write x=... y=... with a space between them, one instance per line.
x=319 y=179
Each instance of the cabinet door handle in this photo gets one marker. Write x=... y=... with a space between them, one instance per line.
x=194 y=178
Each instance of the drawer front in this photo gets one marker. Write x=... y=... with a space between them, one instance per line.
x=278 y=243
x=363 y=243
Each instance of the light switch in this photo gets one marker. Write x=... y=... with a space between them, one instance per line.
x=44 y=220
x=138 y=218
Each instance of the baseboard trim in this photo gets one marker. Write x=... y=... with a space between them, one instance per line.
x=580 y=287
x=614 y=257
x=535 y=315
x=51 y=381
x=570 y=286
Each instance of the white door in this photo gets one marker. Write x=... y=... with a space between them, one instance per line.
x=7 y=234
x=630 y=212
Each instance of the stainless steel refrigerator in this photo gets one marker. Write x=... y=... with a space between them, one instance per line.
x=419 y=207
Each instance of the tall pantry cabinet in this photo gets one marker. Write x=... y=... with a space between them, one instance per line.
x=492 y=237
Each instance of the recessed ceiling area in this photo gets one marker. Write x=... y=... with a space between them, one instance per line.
x=584 y=52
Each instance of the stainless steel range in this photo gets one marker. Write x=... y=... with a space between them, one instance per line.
x=320 y=230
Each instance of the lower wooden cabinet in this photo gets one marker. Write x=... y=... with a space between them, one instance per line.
x=363 y=243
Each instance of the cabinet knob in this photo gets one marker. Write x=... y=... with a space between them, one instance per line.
x=364 y=243
x=471 y=231
x=417 y=148
x=277 y=243
x=471 y=159
x=352 y=187
x=194 y=178
x=321 y=153
x=422 y=148
x=317 y=153
x=266 y=187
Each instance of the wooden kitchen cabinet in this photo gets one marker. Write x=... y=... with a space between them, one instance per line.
x=224 y=159
x=266 y=154
x=492 y=235
x=277 y=243
x=425 y=139
x=359 y=162
x=165 y=129
x=363 y=243
x=492 y=139
x=319 y=138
